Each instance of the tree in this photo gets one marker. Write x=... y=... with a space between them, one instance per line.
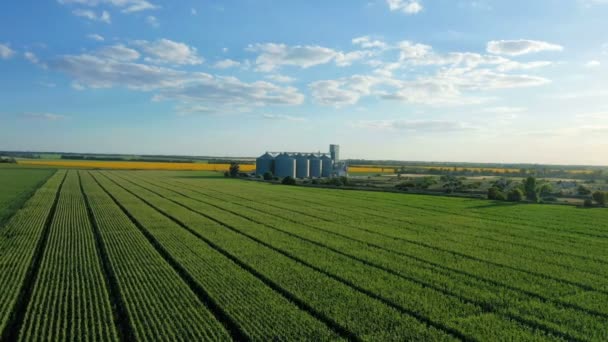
x=267 y=175
x=451 y=183
x=515 y=195
x=583 y=191
x=588 y=203
x=234 y=169
x=531 y=189
x=288 y=181
x=600 y=197
x=495 y=194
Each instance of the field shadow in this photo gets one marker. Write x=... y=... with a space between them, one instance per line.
x=495 y=205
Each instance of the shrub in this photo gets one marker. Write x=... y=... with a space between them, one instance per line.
x=288 y=181
x=234 y=169
x=515 y=195
x=267 y=175
x=588 y=203
x=583 y=190
x=600 y=197
x=495 y=194
x=226 y=174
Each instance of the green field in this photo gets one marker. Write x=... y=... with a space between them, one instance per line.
x=16 y=186
x=155 y=255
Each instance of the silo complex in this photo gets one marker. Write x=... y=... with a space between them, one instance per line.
x=326 y=166
x=285 y=166
x=263 y=164
x=302 y=166
x=315 y=166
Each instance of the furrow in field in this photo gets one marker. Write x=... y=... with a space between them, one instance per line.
x=583 y=280
x=531 y=310
x=354 y=272
x=153 y=303
x=22 y=244
x=70 y=300
x=246 y=297
x=429 y=218
x=366 y=317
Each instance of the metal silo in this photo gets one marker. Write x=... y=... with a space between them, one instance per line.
x=264 y=164
x=326 y=166
x=315 y=166
x=302 y=166
x=285 y=166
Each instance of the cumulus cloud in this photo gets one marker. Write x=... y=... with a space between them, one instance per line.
x=6 y=52
x=118 y=53
x=32 y=58
x=103 y=16
x=95 y=37
x=405 y=6
x=280 y=117
x=165 y=51
x=367 y=42
x=280 y=78
x=274 y=55
x=105 y=71
x=226 y=64
x=126 y=6
x=520 y=47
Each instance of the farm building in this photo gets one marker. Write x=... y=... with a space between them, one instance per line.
x=301 y=164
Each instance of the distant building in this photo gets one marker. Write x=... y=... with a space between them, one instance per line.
x=302 y=164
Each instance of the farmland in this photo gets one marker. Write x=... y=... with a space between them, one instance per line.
x=177 y=255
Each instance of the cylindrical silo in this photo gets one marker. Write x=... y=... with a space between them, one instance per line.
x=264 y=164
x=285 y=166
x=302 y=166
x=326 y=166
x=315 y=166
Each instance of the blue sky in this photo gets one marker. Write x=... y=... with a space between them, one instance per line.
x=437 y=80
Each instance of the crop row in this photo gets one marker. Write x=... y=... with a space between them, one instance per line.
x=429 y=305
x=426 y=229
x=245 y=298
x=70 y=299
x=503 y=299
x=160 y=306
x=353 y=311
x=21 y=239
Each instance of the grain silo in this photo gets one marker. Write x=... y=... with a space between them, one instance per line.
x=285 y=165
x=326 y=166
x=302 y=166
x=264 y=163
x=315 y=166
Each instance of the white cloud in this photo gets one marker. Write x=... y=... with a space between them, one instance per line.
x=31 y=57
x=6 y=52
x=95 y=37
x=367 y=42
x=230 y=91
x=226 y=64
x=44 y=116
x=193 y=11
x=409 y=50
x=170 y=52
x=405 y=6
x=152 y=21
x=104 y=16
x=593 y=64
x=273 y=55
x=520 y=47
x=416 y=126
x=126 y=6
x=280 y=78
x=94 y=71
x=280 y=117
x=118 y=53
